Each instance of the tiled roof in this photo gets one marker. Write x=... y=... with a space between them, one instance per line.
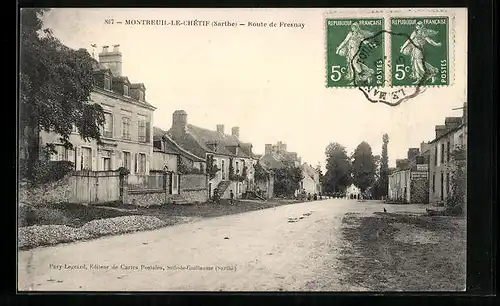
x=158 y=133
x=271 y=162
x=200 y=141
x=310 y=171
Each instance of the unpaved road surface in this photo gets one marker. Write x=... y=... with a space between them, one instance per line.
x=253 y=251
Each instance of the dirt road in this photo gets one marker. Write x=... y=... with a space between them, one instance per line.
x=254 y=251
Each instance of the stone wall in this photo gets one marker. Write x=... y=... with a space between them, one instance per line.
x=419 y=191
x=60 y=191
x=145 y=197
x=193 y=182
x=198 y=196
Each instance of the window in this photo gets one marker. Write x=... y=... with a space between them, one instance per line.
x=125 y=90
x=223 y=170
x=435 y=155
x=142 y=131
x=442 y=153
x=448 y=151
x=141 y=95
x=237 y=168
x=86 y=161
x=126 y=128
x=108 y=125
x=106 y=164
x=433 y=182
x=107 y=82
x=126 y=160
x=142 y=163
x=61 y=153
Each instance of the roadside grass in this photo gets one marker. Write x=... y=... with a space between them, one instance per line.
x=401 y=252
x=76 y=215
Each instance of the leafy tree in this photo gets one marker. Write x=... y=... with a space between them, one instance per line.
x=455 y=203
x=55 y=87
x=212 y=168
x=363 y=167
x=260 y=174
x=338 y=169
x=287 y=180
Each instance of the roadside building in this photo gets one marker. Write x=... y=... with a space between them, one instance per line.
x=409 y=182
x=229 y=161
x=126 y=134
x=449 y=137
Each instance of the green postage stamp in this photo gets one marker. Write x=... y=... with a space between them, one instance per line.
x=355 y=52
x=419 y=51
x=388 y=51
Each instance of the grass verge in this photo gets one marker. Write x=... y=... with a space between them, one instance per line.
x=398 y=252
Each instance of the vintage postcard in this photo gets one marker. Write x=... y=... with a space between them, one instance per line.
x=242 y=149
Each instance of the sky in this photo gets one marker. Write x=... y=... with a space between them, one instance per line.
x=268 y=81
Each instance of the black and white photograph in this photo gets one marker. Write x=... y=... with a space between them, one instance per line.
x=242 y=150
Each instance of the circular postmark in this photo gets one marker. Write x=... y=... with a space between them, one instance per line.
x=389 y=95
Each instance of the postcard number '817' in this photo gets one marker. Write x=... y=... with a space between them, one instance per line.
x=337 y=72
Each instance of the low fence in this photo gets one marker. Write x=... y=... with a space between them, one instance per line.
x=89 y=187
x=97 y=187
x=153 y=181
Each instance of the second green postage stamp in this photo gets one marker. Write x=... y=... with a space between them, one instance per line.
x=355 y=52
x=419 y=51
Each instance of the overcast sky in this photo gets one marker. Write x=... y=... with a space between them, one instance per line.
x=268 y=81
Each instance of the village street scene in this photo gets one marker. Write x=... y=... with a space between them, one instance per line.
x=123 y=188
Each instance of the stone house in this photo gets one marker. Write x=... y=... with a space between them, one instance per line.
x=353 y=192
x=450 y=136
x=310 y=184
x=126 y=134
x=408 y=183
x=169 y=157
x=226 y=152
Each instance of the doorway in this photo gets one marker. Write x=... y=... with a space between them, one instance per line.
x=174 y=183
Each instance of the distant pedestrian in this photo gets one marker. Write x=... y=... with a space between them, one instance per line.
x=231 y=195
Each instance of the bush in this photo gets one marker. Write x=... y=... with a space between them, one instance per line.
x=46 y=171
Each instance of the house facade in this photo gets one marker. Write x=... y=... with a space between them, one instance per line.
x=232 y=157
x=126 y=134
x=353 y=192
x=449 y=137
x=310 y=184
x=409 y=182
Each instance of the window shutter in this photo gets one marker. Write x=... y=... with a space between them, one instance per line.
x=135 y=158
x=148 y=126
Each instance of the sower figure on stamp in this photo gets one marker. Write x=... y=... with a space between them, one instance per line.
x=414 y=47
x=349 y=48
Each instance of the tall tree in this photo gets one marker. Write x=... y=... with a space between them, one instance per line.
x=55 y=86
x=338 y=169
x=363 y=166
x=383 y=184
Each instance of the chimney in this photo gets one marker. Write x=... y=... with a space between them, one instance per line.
x=179 y=123
x=452 y=122
x=111 y=60
x=424 y=146
x=235 y=131
x=220 y=128
x=440 y=130
x=268 y=148
x=413 y=153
